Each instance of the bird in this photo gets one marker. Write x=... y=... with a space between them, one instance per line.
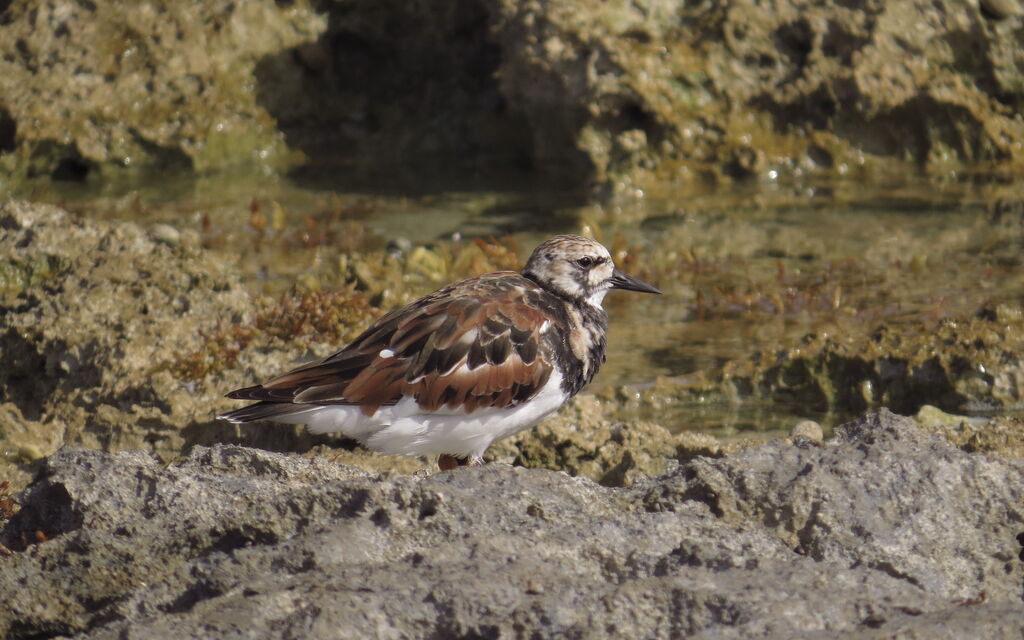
x=456 y=370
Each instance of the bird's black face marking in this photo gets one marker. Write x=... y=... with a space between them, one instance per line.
x=587 y=263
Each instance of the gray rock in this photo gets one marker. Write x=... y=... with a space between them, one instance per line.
x=881 y=495
x=883 y=531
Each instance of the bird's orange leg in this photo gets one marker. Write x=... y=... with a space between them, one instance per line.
x=447 y=462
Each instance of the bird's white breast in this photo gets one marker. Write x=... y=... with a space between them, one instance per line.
x=405 y=428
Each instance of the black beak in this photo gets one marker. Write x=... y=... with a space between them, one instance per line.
x=624 y=281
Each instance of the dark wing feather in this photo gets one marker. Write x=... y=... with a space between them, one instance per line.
x=263 y=411
x=472 y=344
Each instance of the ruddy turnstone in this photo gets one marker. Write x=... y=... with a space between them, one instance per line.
x=469 y=364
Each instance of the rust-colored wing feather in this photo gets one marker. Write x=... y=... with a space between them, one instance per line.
x=474 y=344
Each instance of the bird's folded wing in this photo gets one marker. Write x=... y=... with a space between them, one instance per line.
x=472 y=348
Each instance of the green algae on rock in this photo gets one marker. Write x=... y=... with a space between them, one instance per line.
x=1002 y=436
x=109 y=84
x=973 y=364
x=583 y=439
x=19 y=274
x=83 y=347
x=132 y=341
x=132 y=362
x=299 y=318
x=659 y=93
x=623 y=95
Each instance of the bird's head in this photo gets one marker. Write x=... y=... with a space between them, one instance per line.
x=578 y=269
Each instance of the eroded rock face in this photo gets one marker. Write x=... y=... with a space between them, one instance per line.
x=619 y=93
x=167 y=84
x=658 y=91
x=880 y=495
x=967 y=364
x=92 y=316
x=882 y=530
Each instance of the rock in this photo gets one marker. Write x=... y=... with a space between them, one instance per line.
x=1001 y=9
x=1001 y=436
x=881 y=494
x=883 y=531
x=165 y=233
x=584 y=439
x=930 y=418
x=971 y=363
x=115 y=337
x=106 y=85
x=92 y=315
x=821 y=85
x=808 y=430
x=629 y=95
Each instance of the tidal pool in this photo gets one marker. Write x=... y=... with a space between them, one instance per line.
x=746 y=268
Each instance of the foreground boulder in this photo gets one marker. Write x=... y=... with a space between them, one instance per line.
x=882 y=531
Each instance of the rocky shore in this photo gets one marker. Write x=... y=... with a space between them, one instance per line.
x=143 y=517
x=881 y=532
x=127 y=511
x=119 y=337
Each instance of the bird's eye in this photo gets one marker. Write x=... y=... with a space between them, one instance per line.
x=585 y=262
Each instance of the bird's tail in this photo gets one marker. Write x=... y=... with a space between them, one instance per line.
x=274 y=411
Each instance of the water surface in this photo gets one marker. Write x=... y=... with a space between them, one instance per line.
x=744 y=267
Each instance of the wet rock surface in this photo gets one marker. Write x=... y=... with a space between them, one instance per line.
x=583 y=440
x=970 y=365
x=114 y=336
x=653 y=92
x=959 y=365
x=882 y=531
x=1001 y=436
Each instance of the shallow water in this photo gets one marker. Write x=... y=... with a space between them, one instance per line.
x=744 y=268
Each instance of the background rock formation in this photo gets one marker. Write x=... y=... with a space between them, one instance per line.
x=90 y=86
x=611 y=93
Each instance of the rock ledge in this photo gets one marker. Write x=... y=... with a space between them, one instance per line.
x=882 y=531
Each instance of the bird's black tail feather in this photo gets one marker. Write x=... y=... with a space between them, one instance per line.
x=267 y=411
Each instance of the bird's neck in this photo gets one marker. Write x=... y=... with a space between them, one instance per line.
x=581 y=347
x=575 y=343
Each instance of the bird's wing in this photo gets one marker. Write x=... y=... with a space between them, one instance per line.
x=471 y=345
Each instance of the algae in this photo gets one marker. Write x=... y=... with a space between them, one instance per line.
x=106 y=86
x=614 y=97
x=123 y=337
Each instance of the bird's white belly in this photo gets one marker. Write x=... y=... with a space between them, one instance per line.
x=405 y=428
